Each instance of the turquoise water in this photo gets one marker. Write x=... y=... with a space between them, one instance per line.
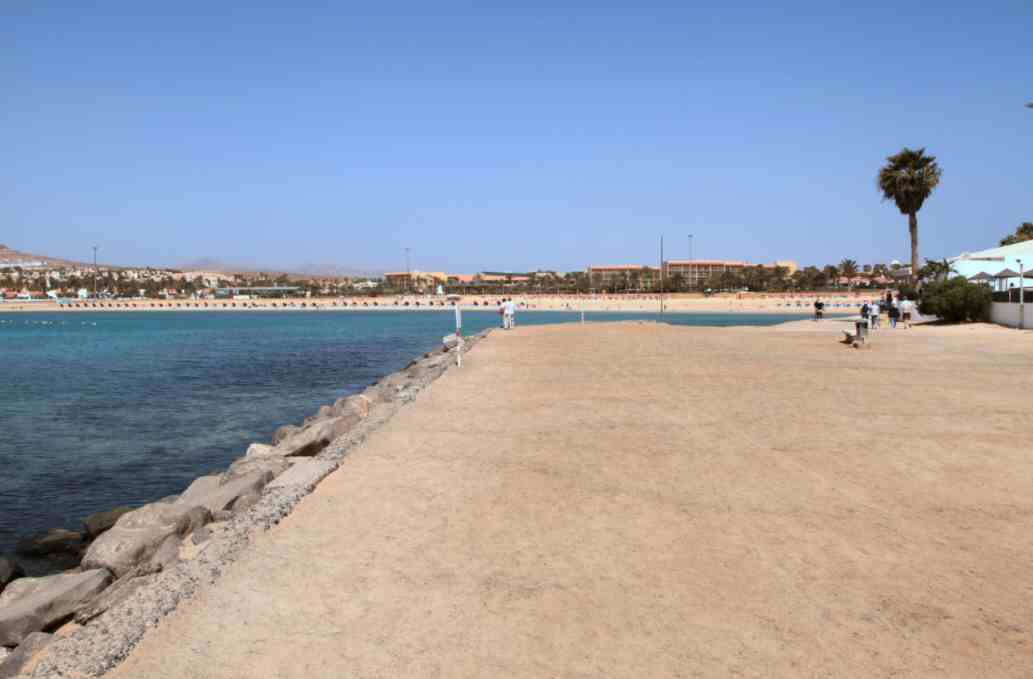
x=102 y=409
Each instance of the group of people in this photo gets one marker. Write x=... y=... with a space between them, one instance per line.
x=507 y=309
x=894 y=307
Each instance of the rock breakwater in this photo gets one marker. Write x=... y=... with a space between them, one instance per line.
x=138 y=564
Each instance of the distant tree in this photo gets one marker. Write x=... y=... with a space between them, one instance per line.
x=1022 y=233
x=934 y=270
x=908 y=178
x=831 y=274
x=848 y=268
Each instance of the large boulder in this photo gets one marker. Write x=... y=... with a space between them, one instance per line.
x=9 y=570
x=48 y=601
x=24 y=659
x=305 y=474
x=137 y=535
x=261 y=450
x=284 y=432
x=275 y=464
x=309 y=441
x=357 y=404
x=95 y=524
x=224 y=492
x=118 y=592
x=54 y=541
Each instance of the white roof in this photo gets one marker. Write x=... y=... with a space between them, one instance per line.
x=1020 y=250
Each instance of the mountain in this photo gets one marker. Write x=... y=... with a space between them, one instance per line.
x=12 y=258
x=325 y=270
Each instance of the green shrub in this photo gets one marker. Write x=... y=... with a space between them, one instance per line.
x=956 y=301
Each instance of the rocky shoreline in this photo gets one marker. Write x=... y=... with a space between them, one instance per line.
x=136 y=565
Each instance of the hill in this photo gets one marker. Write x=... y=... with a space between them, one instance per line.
x=11 y=258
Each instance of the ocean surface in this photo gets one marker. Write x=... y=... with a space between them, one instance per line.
x=104 y=409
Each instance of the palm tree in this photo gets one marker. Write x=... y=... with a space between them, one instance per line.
x=908 y=178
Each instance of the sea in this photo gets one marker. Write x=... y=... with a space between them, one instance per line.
x=100 y=409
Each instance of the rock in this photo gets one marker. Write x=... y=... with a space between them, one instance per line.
x=199 y=536
x=306 y=474
x=229 y=489
x=449 y=341
x=284 y=432
x=95 y=524
x=166 y=554
x=309 y=441
x=246 y=501
x=3 y=653
x=137 y=535
x=352 y=405
x=9 y=570
x=54 y=541
x=260 y=450
x=199 y=488
x=324 y=412
x=224 y=515
x=51 y=600
x=275 y=464
x=25 y=658
x=121 y=590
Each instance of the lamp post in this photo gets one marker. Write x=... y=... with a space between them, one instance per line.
x=94 y=272
x=1022 y=296
x=692 y=268
x=408 y=270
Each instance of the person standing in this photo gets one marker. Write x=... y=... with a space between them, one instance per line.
x=819 y=309
x=907 y=307
x=865 y=311
x=873 y=313
x=508 y=314
x=894 y=313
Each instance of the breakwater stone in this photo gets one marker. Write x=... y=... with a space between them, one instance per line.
x=54 y=541
x=137 y=535
x=24 y=658
x=41 y=602
x=9 y=570
x=95 y=524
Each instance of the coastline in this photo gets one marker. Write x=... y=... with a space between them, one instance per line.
x=258 y=490
x=796 y=303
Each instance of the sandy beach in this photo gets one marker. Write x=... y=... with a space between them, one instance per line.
x=796 y=303
x=642 y=500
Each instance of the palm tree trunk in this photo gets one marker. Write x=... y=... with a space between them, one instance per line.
x=912 y=223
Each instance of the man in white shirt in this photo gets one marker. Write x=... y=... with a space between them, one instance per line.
x=508 y=313
x=907 y=308
x=873 y=314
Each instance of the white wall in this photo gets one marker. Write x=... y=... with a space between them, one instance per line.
x=1007 y=314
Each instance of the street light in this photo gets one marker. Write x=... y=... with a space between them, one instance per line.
x=1022 y=294
x=692 y=277
x=94 y=272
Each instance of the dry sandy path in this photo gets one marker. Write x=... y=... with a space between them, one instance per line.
x=651 y=501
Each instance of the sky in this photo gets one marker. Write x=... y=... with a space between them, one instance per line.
x=517 y=137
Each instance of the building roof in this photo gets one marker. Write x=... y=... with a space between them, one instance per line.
x=1023 y=249
x=620 y=267
x=707 y=262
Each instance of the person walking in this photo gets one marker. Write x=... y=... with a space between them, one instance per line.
x=894 y=313
x=819 y=309
x=873 y=314
x=508 y=314
x=907 y=308
x=865 y=311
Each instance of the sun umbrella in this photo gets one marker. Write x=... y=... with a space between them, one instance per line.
x=1007 y=273
x=981 y=276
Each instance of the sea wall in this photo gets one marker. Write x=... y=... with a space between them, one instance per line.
x=137 y=565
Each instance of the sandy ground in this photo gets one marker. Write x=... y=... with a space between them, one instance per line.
x=800 y=303
x=640 y=500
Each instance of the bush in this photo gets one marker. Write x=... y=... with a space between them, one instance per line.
x=956 y=301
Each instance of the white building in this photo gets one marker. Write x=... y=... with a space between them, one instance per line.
x=995 y=260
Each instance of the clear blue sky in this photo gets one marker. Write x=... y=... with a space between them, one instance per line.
x=539 y=135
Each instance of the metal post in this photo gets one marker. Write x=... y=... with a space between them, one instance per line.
x=692 y=278
x=661 y=275
x=1022 y=296
x=408 y=271
x=95 y=272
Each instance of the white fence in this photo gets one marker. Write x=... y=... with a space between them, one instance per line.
x=1004 y=313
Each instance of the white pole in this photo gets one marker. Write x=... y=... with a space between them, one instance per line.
x=459 y=335
x=1022 y=296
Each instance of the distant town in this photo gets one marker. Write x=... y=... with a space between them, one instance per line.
x=28 y=277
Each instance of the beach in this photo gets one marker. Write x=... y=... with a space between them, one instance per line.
x=637 y=499
x=795 y=303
